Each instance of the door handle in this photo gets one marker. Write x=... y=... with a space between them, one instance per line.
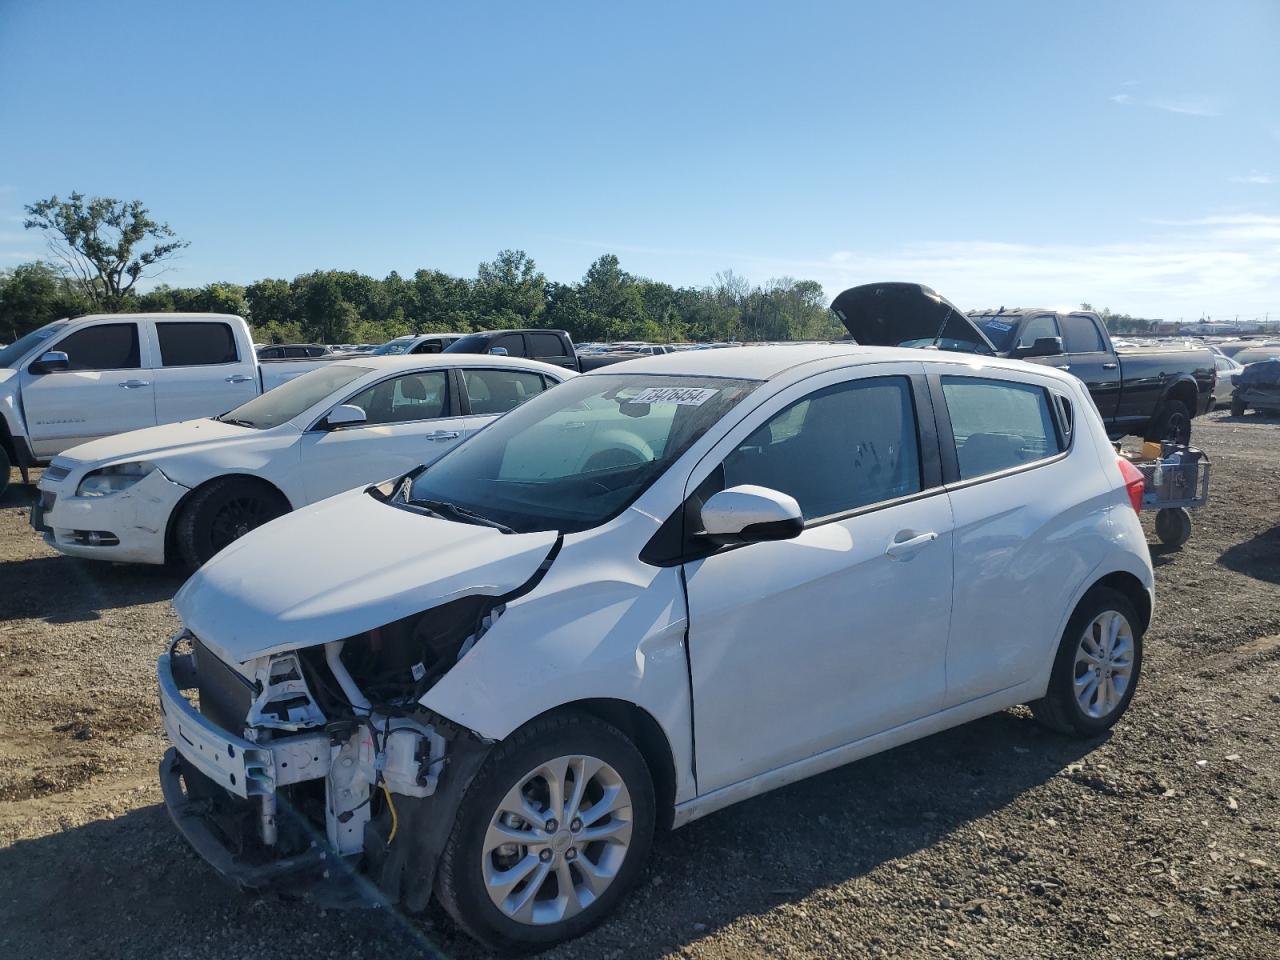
x=444 y=435
x=131 y=384
x=1061 y=366
x=1110 y=366
x=238 y=378
x=906 y=548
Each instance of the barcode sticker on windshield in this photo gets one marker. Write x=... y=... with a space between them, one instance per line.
x=684 y=396
x=998 y=325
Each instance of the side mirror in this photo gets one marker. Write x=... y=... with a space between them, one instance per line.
x=345 y=415
x=498 y=351
x=1043 y=347
x=750 y=514
x=51 y=362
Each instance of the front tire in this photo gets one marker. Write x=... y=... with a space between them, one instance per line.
x=1097 y=667
x=1237 y=408
x=6 y=465
x=222 y=512
x=551 y=834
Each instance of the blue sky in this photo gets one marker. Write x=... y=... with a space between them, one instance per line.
x=1125 y=154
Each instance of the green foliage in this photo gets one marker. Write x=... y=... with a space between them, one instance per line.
x=96 y=240
x=1121 y=322
x=33 y=294
x=335 y=306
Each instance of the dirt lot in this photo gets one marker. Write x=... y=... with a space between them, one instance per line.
x=996 y=839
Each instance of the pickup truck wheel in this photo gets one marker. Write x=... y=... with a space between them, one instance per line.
x=1172 y=422
x=222 y=512
x=1237 y=408
x=551 y=834
x=1097 y=667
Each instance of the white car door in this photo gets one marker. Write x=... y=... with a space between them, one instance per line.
x=198 y=370
x=803 y=645
x=411 y=419
x=1030 y=512
x=106 y=389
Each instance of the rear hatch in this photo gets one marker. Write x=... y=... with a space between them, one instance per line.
x=907 y=315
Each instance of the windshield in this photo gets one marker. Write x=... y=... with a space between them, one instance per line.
x=576 y=456
x=1000 y=330
x=15 y=351
x=393 y=348
x=293 y=397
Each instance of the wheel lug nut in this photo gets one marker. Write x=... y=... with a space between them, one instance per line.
x=571 y=854
x=552 y=826
x=544 y=856
x=576 y=825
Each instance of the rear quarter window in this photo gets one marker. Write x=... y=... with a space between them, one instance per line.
x=999 y=424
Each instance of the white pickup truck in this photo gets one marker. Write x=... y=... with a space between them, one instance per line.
x=72 y=381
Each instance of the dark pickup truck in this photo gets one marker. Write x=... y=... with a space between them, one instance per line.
x=549 y=346
x=1152 y=393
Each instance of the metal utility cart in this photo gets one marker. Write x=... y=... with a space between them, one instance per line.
x=1176 y=484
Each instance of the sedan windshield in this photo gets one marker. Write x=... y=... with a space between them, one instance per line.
x=15 y=351
x=393 y=348
x=576 y=456
x=292 y=398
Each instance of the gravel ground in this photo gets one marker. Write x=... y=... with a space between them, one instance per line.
x=997 y=839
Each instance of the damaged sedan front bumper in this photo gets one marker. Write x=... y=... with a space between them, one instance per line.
x=128 y=526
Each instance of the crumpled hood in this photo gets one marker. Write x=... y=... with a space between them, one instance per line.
x=344 y=566
x=169 y=439
x=891 y=314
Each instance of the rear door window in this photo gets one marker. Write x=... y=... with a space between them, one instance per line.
x=1080 y=335
x=545 y=345
x=840 y=448
x=497 y=391
x=998 y=424
x=196 y=344
x=107 y=346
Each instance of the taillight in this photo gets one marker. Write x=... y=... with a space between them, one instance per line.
x=1134 y=484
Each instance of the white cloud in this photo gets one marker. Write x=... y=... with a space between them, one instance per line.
x=1255 y=177
x=1193 y=106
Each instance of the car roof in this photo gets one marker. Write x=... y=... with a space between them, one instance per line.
x=792 y=361
x=421 y=361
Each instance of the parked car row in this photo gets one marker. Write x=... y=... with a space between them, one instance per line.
x=489 y=670
x=72 y=381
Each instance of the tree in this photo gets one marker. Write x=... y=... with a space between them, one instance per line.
x=97 y=240
x=509 y=286
x=33 y=294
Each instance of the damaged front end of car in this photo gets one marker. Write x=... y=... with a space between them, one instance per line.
x=316 y=771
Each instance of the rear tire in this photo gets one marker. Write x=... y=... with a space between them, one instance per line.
x=222 y=512
x=6 y=465
x=1097 y=668
x=1237 y=408
x=1171 y=422
x=528 y=913
x=1173 y=526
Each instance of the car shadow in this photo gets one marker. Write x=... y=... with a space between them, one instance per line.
x=18 y=494
x=1258 y=557
x=753 y=857
x=87 y=587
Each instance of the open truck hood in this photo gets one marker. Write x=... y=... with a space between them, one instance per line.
x=344 y=566
x=907 y=315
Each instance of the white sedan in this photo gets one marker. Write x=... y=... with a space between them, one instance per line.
x=186 y=490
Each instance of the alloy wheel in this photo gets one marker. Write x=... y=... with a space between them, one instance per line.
x=557 y=840
x=1104 y=664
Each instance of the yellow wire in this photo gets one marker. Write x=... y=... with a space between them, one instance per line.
x=395 y=821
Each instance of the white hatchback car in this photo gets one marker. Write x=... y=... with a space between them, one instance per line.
x=659 y=589
x=185 y=490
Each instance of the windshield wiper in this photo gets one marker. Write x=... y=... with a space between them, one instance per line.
x=239 y=423
x=446 y=510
